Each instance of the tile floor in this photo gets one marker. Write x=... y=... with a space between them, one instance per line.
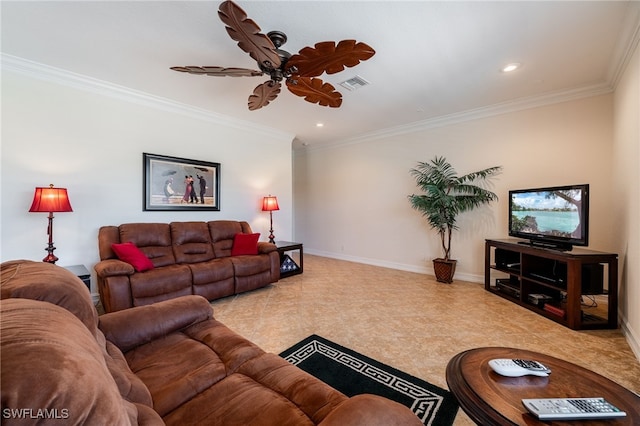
x=411 y=322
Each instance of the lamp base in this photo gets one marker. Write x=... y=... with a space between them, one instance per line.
x=50 y=258
x=271 y=236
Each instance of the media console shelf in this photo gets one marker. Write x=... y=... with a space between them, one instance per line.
x=577 y=288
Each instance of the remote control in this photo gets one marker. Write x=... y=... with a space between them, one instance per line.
x=518 y=367
x=572 y=408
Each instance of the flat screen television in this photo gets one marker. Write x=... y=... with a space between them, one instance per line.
x=554 y=217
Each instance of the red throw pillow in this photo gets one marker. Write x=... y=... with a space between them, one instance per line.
x=128 y=252
x=245 y=244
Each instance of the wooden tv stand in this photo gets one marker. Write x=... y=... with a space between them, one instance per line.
x=554 y=283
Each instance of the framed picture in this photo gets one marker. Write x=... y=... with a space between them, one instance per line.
x=172 y=183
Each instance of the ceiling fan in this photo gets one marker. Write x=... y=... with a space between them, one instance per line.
x=299 y=71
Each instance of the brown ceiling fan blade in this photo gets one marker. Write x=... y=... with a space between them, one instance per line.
x=315 y=91
x=219 y=71
x=247 y=34
x=328 y=57
x=263 y=94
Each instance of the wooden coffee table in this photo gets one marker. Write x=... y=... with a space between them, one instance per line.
x=491 y=399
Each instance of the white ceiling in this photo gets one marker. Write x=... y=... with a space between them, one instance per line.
x=435 y=60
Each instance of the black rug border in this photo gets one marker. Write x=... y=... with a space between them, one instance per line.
x=449 y=408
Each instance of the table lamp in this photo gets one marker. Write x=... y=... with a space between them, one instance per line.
x=50 y=200
x=269 y=204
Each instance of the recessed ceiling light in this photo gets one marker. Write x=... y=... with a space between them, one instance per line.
x=319 y=124
x=511 y=67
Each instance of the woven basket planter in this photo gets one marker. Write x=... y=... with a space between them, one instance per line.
x=444 y=270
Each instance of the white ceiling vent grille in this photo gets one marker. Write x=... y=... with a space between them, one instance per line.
x=354 y=83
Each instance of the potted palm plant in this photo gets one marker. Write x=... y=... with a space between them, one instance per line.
x=446 y=195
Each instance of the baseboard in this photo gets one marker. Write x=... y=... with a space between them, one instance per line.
x=633 y=339
x=427 y=270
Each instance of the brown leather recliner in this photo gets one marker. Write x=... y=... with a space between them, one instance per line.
x=166 y=363
x=188 y=258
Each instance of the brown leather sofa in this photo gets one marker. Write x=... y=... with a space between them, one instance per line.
x=166 y=363
x=188 y=258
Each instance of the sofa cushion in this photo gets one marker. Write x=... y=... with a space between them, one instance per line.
x=213 y=279
x=27 y=279
x=228 y=400
x=233 y=349
x=191 y=242
x=128 y=252
x=222 y=233
x=113 y=267
x=175 y=368
x=160 y=284
x=314 y=397
x=368 y=409
x=181 y=365
x=244 y=266
x=153 y=239
x=107 y=235
x=280 y=394
x=64 y=372
x=129 y=385
x=245 y=244
x=153 y=321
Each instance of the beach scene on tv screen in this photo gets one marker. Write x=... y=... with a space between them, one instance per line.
x=553 y=213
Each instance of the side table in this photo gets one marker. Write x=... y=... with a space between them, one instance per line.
x=493 y=400
x=288 y=266
x=81 y=272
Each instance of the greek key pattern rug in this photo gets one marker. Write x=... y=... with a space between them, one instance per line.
x=352 y=373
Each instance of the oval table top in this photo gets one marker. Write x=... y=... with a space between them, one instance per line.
x=491 y=399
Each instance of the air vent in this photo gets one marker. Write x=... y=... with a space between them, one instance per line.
x=354 y=83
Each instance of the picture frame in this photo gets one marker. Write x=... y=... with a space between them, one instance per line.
x=166 y=184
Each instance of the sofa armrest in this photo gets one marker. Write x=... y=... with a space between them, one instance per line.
x=371 y=410
x=113 y=267
x=265 y=247
x=133 y=327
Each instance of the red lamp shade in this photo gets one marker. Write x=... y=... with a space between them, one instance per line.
x=47 y=200
x=269 y=204
x=50 y=200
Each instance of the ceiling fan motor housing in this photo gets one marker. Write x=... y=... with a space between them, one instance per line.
x=278 y=38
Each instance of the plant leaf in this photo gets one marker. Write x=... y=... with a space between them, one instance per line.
x=446 y=195
x=247 y=33
x=263 y=94
x=329 y=58
x=314 y=90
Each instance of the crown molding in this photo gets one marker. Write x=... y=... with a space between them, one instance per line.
x=630 y=37
x=82 y=82
x=475 y=114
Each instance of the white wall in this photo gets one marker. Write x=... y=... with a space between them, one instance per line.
x=626 y=187
x=351 y=200
x=92 y=144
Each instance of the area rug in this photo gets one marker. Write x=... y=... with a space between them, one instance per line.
x=352 y=373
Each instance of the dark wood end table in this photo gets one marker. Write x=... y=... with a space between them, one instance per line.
x=491 y=399
x=81 y=272
x=288 y=270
